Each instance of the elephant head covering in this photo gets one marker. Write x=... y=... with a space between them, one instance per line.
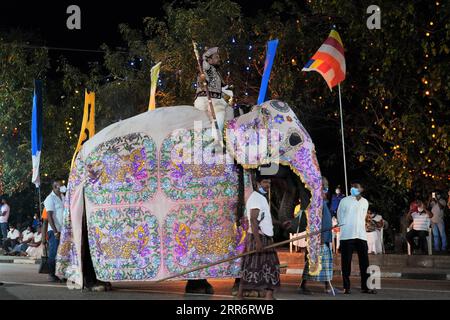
x=208 y=53
x=272 y=133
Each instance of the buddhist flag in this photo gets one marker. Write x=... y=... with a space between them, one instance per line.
x=36 y=132
x=329 y=60
x=270 y=56
x=88 y=123
x=154 y=74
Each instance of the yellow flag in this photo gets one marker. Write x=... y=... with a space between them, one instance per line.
x=154 y=74
x=88 y=123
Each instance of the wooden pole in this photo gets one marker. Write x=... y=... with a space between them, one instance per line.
x=274 y=245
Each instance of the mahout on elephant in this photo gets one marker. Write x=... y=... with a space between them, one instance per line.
x=150 y=197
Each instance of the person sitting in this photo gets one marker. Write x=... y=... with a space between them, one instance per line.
x=12 y=238
x=24 y=240
x=374 y=224
x=35 y=247
x=420 y=225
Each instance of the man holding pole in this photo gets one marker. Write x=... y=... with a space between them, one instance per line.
x=261 y=270
x=210 y=75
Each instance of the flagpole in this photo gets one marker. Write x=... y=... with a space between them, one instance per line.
x=40 y=202
x=343 y=141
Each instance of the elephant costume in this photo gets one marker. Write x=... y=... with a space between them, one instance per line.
x=153 y=197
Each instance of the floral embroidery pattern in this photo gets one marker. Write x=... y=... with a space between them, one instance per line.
x=198 y=234
x=279 y=118
x=292 y=147
x=122 y=170
x=124 y=244
x=190 y=172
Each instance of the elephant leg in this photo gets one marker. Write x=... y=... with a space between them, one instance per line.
x=91 y=283
x=235 y=289
x=201 y=286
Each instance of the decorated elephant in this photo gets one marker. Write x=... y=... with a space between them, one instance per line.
x=151 y=196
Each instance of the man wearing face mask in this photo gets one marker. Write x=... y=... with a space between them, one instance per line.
x=54 y=204
x=261 y=270
x=351 y=215
x=421 y=222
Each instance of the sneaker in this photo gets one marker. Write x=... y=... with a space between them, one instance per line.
x=347 y=291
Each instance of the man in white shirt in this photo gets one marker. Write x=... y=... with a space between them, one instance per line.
x=420 y=225
x=12 y=238
x=437 y=205
x=261 y=270
x=54 y=204
x=351 y=215
x=4 y=216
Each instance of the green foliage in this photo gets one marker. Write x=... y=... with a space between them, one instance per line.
x=395 y=94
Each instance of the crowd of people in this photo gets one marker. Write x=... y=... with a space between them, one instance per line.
x=31 y=240
x=360 y=231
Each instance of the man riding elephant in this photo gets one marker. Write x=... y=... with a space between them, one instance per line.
x=150 y=197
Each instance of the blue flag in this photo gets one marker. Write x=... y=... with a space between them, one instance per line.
x=270 y=56
x=36 y=131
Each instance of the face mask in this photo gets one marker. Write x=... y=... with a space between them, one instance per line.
x=63 y=189
x=355 y=192
x=325 y=190
x=261 y=190
x=338 y=191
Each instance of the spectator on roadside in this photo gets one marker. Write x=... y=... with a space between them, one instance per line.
x=336 y=234
x=374 y=224
x=448 y=199
x=36 y=222
x=34 y=249
x=12 y=238
x=25 y=239
x=437 y=206
x=4 y=216
x=420 y=225
x=351 y=215
x=335 y=200
x=54 y=204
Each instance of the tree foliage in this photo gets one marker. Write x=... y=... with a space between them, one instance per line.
x=395 y=95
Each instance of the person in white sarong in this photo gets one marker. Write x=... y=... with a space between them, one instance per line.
x=374 y=225
x=34 y=249
x=210 y=65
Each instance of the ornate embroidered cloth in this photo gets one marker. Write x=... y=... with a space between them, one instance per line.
x=280 y=137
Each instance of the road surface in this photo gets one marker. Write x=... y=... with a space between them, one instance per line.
x=22 y=281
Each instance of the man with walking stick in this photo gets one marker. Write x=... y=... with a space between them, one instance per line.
x=261 y=270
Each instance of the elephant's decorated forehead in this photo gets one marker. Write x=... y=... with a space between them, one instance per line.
x=270 y=132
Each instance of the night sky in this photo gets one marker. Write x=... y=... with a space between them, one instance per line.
x=99 y=22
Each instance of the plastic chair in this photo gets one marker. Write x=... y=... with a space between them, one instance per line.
x=429 y=237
